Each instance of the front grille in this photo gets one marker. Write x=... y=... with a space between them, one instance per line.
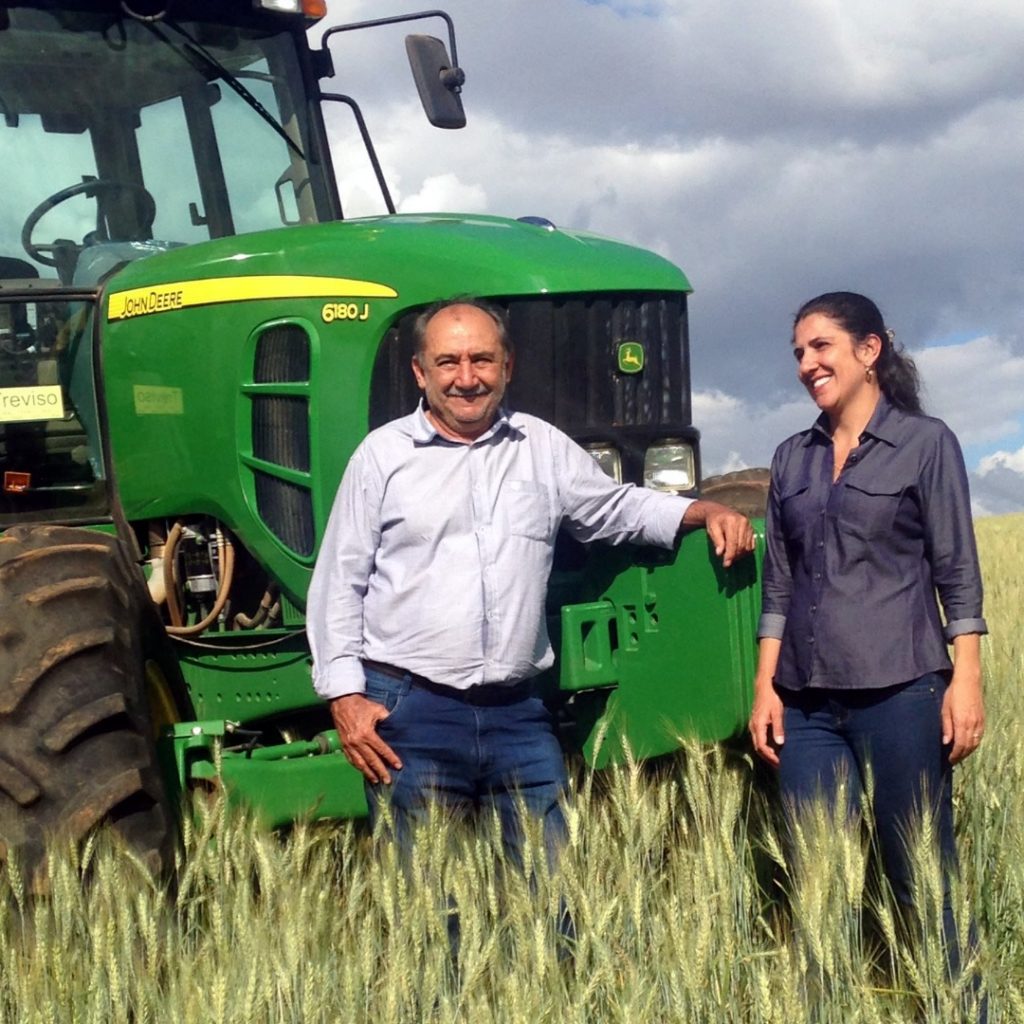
x=282 y=355
x=287 y=509
x=281 y=442
x=280 y=430
x=566 y=364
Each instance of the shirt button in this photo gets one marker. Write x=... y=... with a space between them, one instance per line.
x=821 y=543
x=814 y=608
x=817 y=575
x=810 y=639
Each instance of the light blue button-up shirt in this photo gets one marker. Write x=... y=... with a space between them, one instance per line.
x=437 y=554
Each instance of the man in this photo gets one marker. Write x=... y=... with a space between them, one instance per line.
x=426 y=608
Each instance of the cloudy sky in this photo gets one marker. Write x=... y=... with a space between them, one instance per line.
x=773 y=151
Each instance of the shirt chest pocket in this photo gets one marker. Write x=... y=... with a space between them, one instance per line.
x=527 y=509
x=869 y=509
x=796 y=509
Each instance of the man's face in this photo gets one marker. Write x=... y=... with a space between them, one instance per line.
x=463 y=371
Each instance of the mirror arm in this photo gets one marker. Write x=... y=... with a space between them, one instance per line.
x=394 y=20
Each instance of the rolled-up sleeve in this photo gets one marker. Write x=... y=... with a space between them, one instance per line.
x=949 y=536
x=777 y=578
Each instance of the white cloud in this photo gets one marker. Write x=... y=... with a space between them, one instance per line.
x=1013 y=461
x=976 y=387
x=997 y=487
x=445 y=192
x=998 y=491
x=737 y=433
x=758 y=225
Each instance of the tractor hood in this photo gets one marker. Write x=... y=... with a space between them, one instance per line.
x=411 y=257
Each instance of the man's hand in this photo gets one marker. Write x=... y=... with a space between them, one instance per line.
x=355 y=718
x=730 y=532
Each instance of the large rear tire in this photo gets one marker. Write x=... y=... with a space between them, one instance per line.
x=745 y=490
x=76 y=740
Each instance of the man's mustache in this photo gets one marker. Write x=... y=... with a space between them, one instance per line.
x=458 y=392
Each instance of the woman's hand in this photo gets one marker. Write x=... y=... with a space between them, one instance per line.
x=766 y=728
x=963 y=707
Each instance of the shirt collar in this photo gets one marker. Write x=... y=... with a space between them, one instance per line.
x=424 y=432
x=884 y=425
x=885 y=422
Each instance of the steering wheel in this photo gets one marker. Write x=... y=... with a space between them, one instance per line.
x=97 y=188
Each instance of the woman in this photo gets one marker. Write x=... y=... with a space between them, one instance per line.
x=868 y=518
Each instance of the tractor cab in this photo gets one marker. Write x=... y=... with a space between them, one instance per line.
x=128 y=134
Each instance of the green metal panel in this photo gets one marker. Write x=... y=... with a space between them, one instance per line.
x=309 y=779
x=247 y=685
x=289 y=789
x=668 y=650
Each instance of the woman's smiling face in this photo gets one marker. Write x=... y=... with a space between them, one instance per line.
x=833 y=365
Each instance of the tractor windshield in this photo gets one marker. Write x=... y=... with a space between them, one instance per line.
x=122 y=136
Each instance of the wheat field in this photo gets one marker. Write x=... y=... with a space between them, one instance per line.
x=685 y=906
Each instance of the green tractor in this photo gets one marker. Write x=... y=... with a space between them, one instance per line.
x=192 y=343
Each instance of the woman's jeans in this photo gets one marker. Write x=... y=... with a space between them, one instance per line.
x=894 y=733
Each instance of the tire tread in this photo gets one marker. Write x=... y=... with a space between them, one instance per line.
x=76 y=745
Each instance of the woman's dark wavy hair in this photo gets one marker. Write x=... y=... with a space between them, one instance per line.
x=859 y=316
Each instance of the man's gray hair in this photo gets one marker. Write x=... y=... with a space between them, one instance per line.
x=496 y=313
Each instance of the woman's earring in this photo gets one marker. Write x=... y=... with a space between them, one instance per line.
x=869 y=372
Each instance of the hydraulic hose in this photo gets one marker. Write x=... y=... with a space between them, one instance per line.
x=268 y=608
x=226 y=558
x=170 y=584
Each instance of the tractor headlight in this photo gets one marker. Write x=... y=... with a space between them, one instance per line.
x=670 y=466
x=608 y=459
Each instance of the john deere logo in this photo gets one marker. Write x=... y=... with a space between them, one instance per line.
x=631 y=357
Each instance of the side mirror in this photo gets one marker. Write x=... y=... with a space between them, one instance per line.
x=437 y=82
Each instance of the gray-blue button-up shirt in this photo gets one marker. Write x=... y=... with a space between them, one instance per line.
x=852 y=568
x=437 y=554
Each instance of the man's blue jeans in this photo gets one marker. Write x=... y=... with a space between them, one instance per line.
x=469 y=758
x=897 y=731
